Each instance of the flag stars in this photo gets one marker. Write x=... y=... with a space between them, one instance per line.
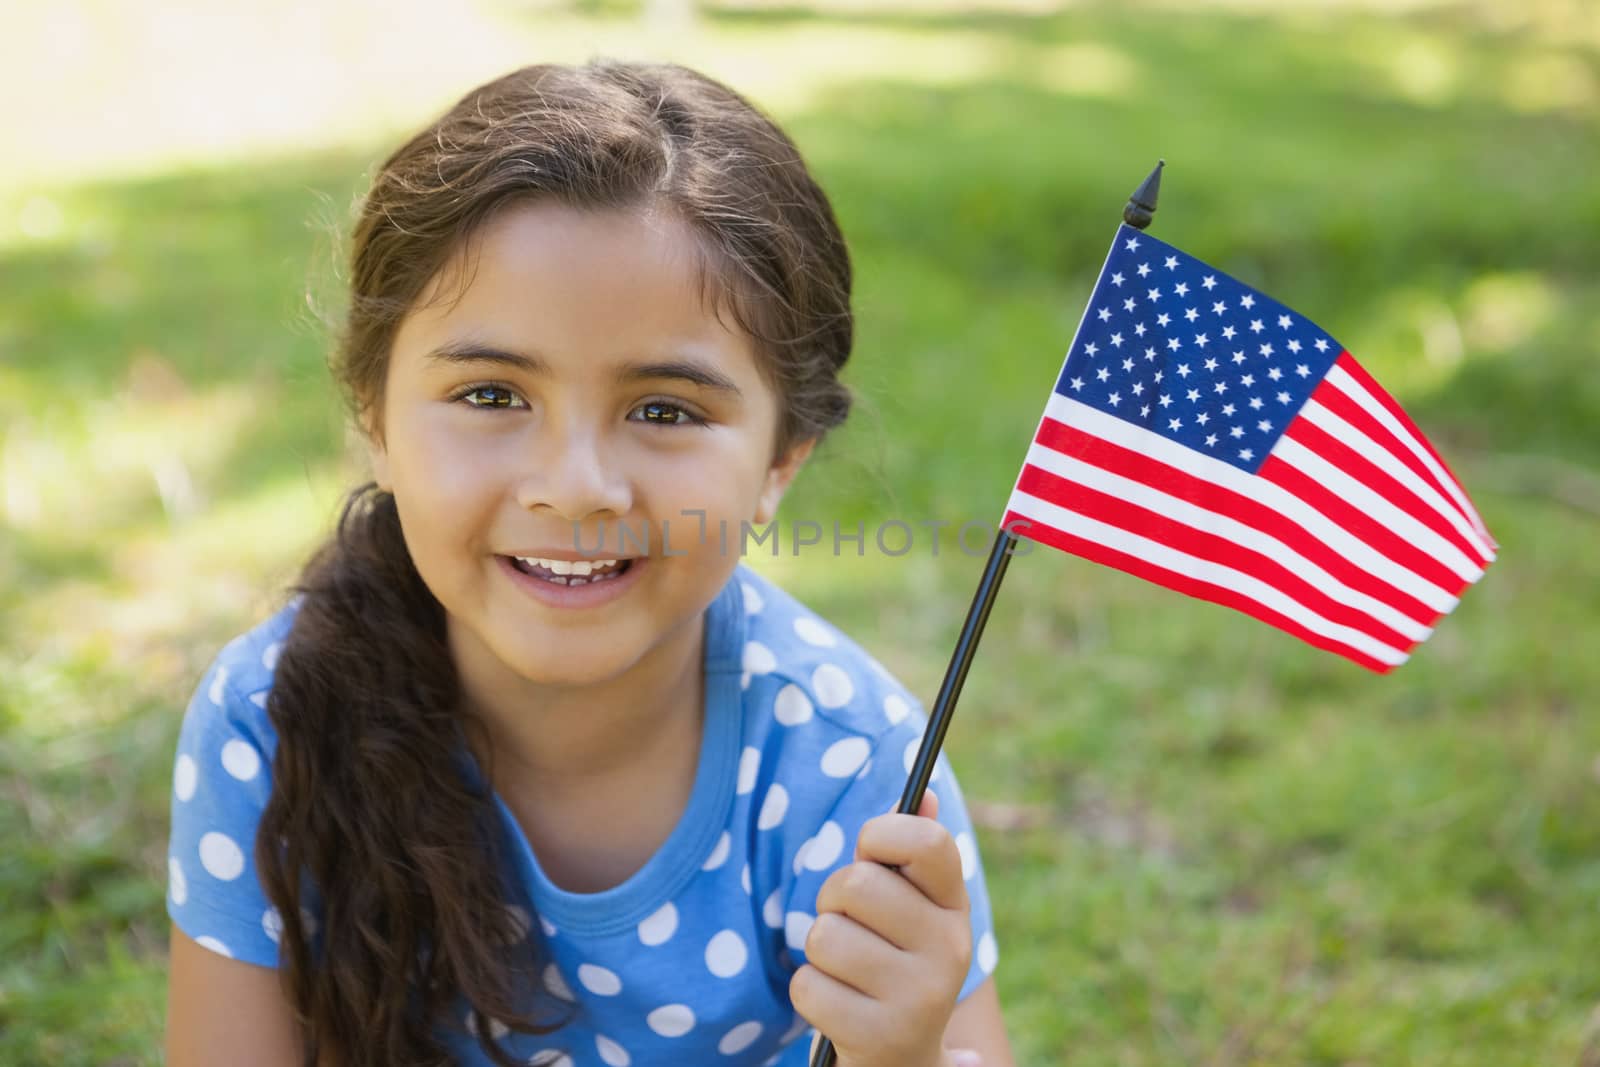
x=1138 y=329
x=1127 y=364
x=1255 y=326
x=1116 y=279
x=1228 y=332
x=1103 y=373
x=1237 y=431
x=1104 y=313
x=1153 y=295
x=1163 y=318
x=1211 y=440
x=1246 y=454
x=1221 y=387
x=1138 y=388
x=1274 y=373
x=1132 y=244
x=1191 y=314
x=1320 y=344
x=1238 y=357
x=1201 y=340
x=1128 y=304
x=1144 y=270
x=1255 y=403
x=1091 y=348
x=1209 y=281
x=1175 y=424
x=1193 y=395
x=1283 y=322
x=1172 y=262
x=1182 y=288
x=1150 y=354
x=1211 y=364
x=1158 y=376
x=1144 y=412
x=1114 y=399
x=1247 y=301
x=1266 y=348
x=1164 y=400
x=1264 y=426
x=1183 y=370
x=1227 y=409
x=1247 y=380
x=1173 y=344
x=1077 y=385
x=1302 y=370
x=1294 y=345
x=1284 y=398
x=1219 y=307
x=1116 y=340
x=1202 y=418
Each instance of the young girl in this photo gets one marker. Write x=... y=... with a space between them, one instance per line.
x=530 y=769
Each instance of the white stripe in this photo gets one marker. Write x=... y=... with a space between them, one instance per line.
x=1387 y=462
x=1229 y=529
x=1154 y=552
x=1285 y=503
x=1346 y=383
x=1362 y=498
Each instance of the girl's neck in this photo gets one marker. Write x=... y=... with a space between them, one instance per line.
x=554 y=741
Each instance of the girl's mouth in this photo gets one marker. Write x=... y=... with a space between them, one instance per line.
x=574 y=572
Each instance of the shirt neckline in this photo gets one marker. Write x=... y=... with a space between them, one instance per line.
x=704 y=818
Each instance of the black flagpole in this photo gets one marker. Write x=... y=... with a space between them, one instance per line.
x=1138 y=213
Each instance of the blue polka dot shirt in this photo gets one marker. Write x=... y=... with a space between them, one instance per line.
x=806 y=737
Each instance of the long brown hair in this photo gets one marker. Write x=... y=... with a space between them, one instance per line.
x=370 y=814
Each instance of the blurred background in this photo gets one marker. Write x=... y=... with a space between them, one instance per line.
x=1207 y=843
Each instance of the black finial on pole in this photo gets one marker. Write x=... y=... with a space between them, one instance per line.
x=1142 y=204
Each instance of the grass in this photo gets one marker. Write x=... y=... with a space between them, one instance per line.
x=1206 y=843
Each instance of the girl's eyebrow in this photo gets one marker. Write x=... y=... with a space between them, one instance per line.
x=681 y=369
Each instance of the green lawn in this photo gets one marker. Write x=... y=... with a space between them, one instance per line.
x=1207 y=844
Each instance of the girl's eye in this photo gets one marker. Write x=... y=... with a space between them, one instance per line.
x=661 y=413
x=493 y=396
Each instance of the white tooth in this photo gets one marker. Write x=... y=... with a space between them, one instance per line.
x=560 y=566
x=558 y=580
x=581 y=566
x=605 y=563
x=575 y=580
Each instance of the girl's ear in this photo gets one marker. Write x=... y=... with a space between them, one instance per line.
x=779 y=475
x=378 y=453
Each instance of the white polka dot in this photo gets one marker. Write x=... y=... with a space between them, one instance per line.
x=772 y=910
x=744 y=878
x=758 y=658
x=185 y=776
x=739 y=1038
x=521 y=923
x=614 y=1054
x=272 y=924
x=259 y=699
x=792 y=707
x=865 y=767
x=749 y=766
x=752 y=599
x=557 y=984
x=896 y=708
x=796 y=925
x=497 y=1029
x=671 y=1020
x=219 y=682
x=813 y=632
x=726 y=954
x=773 y=808
x=241 y=760
x=844 y=758
x=832 y=686
x=719 y=855
x=221 y=857
x=269 y=655
x=821 y=851
x=598 y=980
x=177 y=884
x=550 y=1058
x=660 y=926
x=547 y=926
x=969 y=855
x=988 y=952
x=912 y=748
x=215 y=946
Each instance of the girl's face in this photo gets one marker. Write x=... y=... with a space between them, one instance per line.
x=577 y=393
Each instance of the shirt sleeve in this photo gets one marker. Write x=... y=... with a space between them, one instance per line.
x=220 y=784
x=876 y=791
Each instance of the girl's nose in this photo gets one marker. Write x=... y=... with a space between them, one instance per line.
x=573 y=479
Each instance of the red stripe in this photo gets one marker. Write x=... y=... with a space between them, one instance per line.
x=1360 y=524
x=1345 y=458
x=1348 y=409
x=1115 y=511
x=1091 y=550
x=1359 y=373
x=1071 y=441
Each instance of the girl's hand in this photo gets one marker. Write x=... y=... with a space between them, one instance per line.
x=889 y=950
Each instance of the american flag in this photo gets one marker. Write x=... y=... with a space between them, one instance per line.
x=1207 y=438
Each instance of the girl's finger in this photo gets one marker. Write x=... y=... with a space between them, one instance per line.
x=924 y=852
x=842 y=948
x=882 y=900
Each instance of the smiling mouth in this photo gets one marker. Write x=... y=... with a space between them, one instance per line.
x=576 y=572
